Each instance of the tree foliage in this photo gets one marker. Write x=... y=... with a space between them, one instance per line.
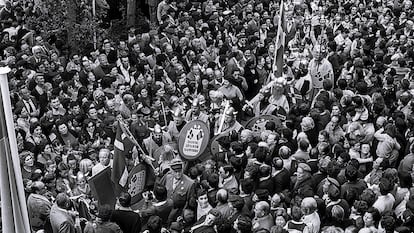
x=70 y=21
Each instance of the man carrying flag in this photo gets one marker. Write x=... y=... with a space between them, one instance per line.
x=141 y=176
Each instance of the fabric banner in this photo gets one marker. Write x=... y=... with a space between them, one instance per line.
x=280 y=42
x=141 y=178
x=13 y=201
x=102 y=189
x=122 y=149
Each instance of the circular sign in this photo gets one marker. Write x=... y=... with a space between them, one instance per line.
x=193 y=139
x=215 y=144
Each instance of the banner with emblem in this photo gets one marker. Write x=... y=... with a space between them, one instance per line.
x=141 y=178
x=193 y=139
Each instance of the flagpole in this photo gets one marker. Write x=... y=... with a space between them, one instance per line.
x=20 y=199
x=137 y=144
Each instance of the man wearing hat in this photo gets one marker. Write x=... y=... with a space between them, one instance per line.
x=303 y=181
x=157 y=139
x=175 y=126
x=179 y=186
x=195 y=112
x=230 y=123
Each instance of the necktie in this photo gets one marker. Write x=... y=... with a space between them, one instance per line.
x=175 y=183
x=29 y=106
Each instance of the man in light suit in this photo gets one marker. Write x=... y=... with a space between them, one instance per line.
x=61 y=219
x=179 y=186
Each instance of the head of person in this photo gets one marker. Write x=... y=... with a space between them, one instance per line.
x=62 y=201
x=160 y=192
x=243 y=224
x=371 y=217
x=62 y=128
x=338 y=213
x=261 y=209
x=177 y=168
x=296 y=213
x=27 y=159
x=226 y=171
x=124 y=199
x=212 y=216
x=202 y=199
x=39 y=187
x=303 y=171
x=104 y=156
x=309 y=205
x=222 y=196
x=236 y=202
x=154 y=224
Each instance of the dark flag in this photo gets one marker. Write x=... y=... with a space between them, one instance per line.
x=13 y=201
x=141 y=178
x=102 y=189
x=122 y=149
x=280 y=42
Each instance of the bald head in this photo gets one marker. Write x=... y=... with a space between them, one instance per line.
x=309 y=205
x=263 y=206
x=222 y=195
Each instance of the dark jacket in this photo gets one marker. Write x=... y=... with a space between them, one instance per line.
x=127 y=220
x=281 y=180
x=162 y=210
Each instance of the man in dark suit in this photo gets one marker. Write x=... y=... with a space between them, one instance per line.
x=206 y=223
x=124 y=216
x=28 y=102
x=247 y=192
x=160 y=206
x=290 y=26
x=179 y=186
x=61 y=219
x=265 y=178
x=280 y=176
x=37 y=57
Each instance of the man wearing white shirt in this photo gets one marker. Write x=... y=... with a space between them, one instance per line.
x=311 y=217
x=104 y=161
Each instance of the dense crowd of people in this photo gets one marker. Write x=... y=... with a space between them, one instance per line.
x=339 y=159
